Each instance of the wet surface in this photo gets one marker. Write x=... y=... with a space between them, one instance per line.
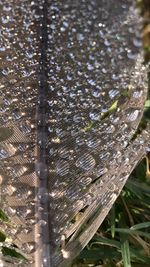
x=63 y=147
x=19 y=63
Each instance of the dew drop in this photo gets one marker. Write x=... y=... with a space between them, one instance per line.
x=94 y=115
x=2 y=48
x=84 y=181
x=105 y=155
x=137 y=43
x=137 y=94
x=77 y=118
x=7 y=151
x=43 y=195
x=56 y=140
x=86 y=162
x=131 y=55
x=23 y=211
x=41 y=170
x=62 y=29
x=3 y=154
x=132 y=115
x=7 y=8
x=93 y=142
x=29 y=54
x=104 y=70
x=10 y=211
x=100 y=170
x=78 y=205
x=91 y=82
x=62 y=167
x=17 y=114
x=42 y=222
x=87 y=199
x=80 y=37
x=115 y=77
x=29 y=247
x=110 y=129
x=96 y=93
x=112 y=93
x=25 y=127
x=106 y=42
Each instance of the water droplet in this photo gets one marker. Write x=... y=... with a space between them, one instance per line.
x=113 y=197
x=62 y=29
x=137 y=42
x=104 y=109
x=56 y=193
x=2 y=48
x=132 y=114
x=42 y=222
x=62 y=167
x=10 y=211
x=84 y=181
x=43 y=195
x=7 y=151
x=111 y=187
x=89 y=66
x=25 y=127
x=100 y=170
x=86 y=162
x=105 y=155
x=55 y=140
x=110 y=129
x=104 y=70
x=106 y=42
x=87 y=199
x=137 y=93
x=29 y=247
x=91 y=82
x=115 y=77
x=112 y=93
x=131 y=55
x=94 y=142
x=78 y=205
x=94 y=115
x=80 y=37
x=96 y=92
x=80 y=141
x=23 y=193
x=17 y=114
x=65 y=23
x=41 y=170
x=6 y=8
x=77 y=118
x=3 y=154
x=123 y=176
x=23 y=211
x=29 y=54
x=5 y=19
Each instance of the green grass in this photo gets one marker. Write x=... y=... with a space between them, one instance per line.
x=123 y=240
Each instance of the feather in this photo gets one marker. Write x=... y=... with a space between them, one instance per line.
x=73 y=89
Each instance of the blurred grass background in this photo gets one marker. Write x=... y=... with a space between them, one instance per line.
x=123 y=240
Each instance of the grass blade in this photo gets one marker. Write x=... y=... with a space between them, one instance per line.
x=132 y=232
x=140 y=226
x=125 y=251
